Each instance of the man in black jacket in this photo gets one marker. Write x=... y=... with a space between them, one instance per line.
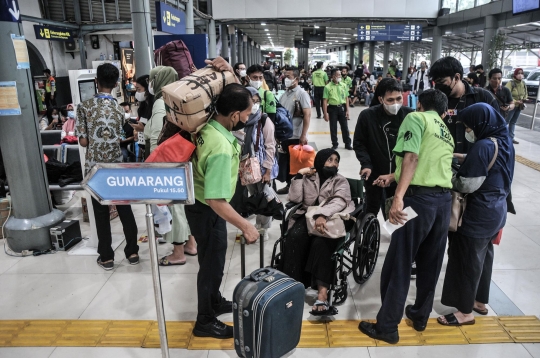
x=375 y=138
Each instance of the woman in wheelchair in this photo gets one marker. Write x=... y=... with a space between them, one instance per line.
x=307 y=258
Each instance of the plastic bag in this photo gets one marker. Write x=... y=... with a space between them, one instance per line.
x=301 y=157
x=162 y=217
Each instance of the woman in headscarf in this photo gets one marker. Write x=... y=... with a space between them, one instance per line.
x=146 y=103
x=470 y=253
x=519 y=91
x=308 y=258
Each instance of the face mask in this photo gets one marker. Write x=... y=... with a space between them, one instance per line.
x=151 y=88
x=127 y=115
x=343 y=75
x=330 y=171
x=288 y=82
x=338 y=80
x=71 y=114
x=55 y=116
x=140 y=96
x=393 y=109
x=255 y=84
x=255 y=108
x=470 y=136
x=444 y=88
x=238 y=126
x=242 y=73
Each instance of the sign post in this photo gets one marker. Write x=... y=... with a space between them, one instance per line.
x=144 y=183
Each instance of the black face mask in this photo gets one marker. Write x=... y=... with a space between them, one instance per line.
x=238 y=126
x=444 y=88
x=330 y=171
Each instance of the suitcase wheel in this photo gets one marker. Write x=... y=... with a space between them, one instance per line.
x=247 y=349
x=246 y=313
x=235 y=306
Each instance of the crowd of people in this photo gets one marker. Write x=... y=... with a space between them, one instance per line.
x=404 y=155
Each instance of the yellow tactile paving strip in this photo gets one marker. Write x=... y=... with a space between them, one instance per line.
x=315 y=334
x=527 y=162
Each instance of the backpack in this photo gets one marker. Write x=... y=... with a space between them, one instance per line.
x=176 y=55
x=269 y=79
x=282 y=123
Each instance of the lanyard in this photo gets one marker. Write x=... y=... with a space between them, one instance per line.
x=104 y=96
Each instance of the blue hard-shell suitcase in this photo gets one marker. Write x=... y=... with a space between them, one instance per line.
x=412 y=101
x=267 y=314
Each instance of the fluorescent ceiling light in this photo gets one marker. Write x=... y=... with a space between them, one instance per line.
x=315 y=26
x=263 y=23
x=265 y=29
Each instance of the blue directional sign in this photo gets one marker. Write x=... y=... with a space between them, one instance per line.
x=9 y=11
x=169 y=19
x=141 y=183
x=396 y=33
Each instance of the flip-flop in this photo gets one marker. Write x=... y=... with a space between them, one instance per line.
x=451 y=320
x=329 y=311
x=165 y=262
x=143 y=238
x=190 y=254
x=482 y=312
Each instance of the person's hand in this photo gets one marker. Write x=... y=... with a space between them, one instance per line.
x=266 y=176
x=347 y=115
x=139 y=127
x=326 y=117
x=54 y=121
x=303 y=139
x=219 y=64
x=320 y=224
x=250 y=233
x=307 y=171
x=384 y=180
x=365 y=172
x=397 y=216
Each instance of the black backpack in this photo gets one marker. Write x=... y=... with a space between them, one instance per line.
x=269 y=79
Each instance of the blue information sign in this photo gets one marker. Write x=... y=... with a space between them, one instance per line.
x=169 y=19
x=141 y=183
x=9 y=11
x=397 y=33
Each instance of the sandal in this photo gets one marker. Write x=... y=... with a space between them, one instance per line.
x=143 y=238
x=482 y=312
x=329 y=311
x=451 y=320
x=189 y=254
x=165 y=262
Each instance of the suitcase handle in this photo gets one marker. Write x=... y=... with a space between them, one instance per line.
x=259 y=274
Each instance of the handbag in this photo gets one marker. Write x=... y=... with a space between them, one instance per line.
x=459 y=200
x=249 y=169
x=298 y=112
x=300 y=158
x=335 y=225
x=176 y=149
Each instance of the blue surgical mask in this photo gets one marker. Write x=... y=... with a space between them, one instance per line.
x=71 y=114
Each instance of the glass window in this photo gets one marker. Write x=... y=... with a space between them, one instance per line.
x=450 y=4
x=482 y=2
x=465 y=4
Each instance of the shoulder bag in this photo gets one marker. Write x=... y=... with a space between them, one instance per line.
x=250 y=168
x=298 y=112
x=459 y=200
x=335 y=224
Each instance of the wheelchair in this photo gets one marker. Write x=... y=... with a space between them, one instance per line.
x=356 y=253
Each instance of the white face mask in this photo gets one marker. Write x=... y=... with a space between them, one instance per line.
x=127 y=115
x=55 y=116
x=242 y=73
x=393 y=109
x=470 y=136
x=288 y=82
x=140 y=96
x=338 y=80
x=255 y=84
x=255 y=108
x=151 y=88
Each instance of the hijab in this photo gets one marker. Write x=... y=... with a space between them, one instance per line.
x=161 y=77
x=251 y=123
x=320 y=159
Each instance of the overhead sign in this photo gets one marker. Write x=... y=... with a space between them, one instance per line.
x=314 y=34
x=53 y=33
x=141 y=183
x=9 y=11
x=169 y=19
x=397 y=33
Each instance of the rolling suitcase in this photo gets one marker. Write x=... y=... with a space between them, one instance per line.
x=412 y=101
x=263 y=304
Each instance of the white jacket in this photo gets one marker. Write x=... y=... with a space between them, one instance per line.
x=418 y=74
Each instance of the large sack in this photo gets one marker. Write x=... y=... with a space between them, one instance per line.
x=176 y=55
x=190 y=100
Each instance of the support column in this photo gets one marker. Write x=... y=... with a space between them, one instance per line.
x=386 y=57
x=211 y=30
x=82 y=47
x=190 y=25
x=360 y=53
x=245 y=51
x=234 y=46
x=406 y=56
x=240 y=39
x=436 y=45
x=351 y=56
x=20 y=141
x=224 y=42
x=490 y=31
x=371 y=56
x=142 y=36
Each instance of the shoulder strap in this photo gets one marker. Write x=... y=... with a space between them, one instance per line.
x=494 y=155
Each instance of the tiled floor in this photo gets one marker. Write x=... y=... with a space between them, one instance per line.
x=73 y=287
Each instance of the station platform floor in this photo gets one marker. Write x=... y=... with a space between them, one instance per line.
x=59 y=301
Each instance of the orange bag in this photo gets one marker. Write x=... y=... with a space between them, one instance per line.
x=300 y=158
x=497 y=240
x=174 y=150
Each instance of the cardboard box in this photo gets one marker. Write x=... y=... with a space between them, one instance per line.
x=5 y=204
x=188 y=101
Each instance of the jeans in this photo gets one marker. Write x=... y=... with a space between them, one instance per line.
x=368 y=97
x=337 y=114
x=512 y=118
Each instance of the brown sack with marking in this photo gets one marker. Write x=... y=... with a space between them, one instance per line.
x=190 y=101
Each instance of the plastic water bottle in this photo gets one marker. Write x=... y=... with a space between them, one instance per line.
x=101 y=58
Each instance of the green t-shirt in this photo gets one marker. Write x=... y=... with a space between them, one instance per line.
x=215 y=163
x=319 y=78
x=336 y=93
x=425 y=134
x=347 y=81
x=268 y=101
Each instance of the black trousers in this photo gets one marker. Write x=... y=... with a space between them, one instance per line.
x=210 y=232
x=103 y=227
x=423 y=238
x=376 y=196
x=50 y=103
x=296 y=246
x=468 y=272
x=318 y=93
x=337 y=114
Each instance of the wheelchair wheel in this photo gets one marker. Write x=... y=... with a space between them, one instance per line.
x=366 y=248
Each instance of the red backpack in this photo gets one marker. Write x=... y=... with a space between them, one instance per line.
x=176 y=55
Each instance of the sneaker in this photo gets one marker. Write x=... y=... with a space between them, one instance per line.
x=224 y=307
x=283 y=191
x=348 y=147
x=105 y=265
x=413 y=270
x=318 y=117
x=214 y=329
x=133 y=260
x=515 y=141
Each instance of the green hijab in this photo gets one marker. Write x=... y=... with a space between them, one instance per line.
x=161 y=77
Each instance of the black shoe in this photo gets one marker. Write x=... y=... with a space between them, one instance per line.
x=334 y=147
x=418 y=326
x=214 y=329
x=134 y=260
x=224 y=307
x=370 y=330
x=413 y=271
x=283 y=191
x=105 y=265
x=348 y=147
x=318 y=117
x=515 y=141
x=351 y=105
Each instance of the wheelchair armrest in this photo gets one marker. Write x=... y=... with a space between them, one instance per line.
x=290 y=205
x=357 y=211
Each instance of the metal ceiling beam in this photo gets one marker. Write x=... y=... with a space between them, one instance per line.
x=48 y=22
